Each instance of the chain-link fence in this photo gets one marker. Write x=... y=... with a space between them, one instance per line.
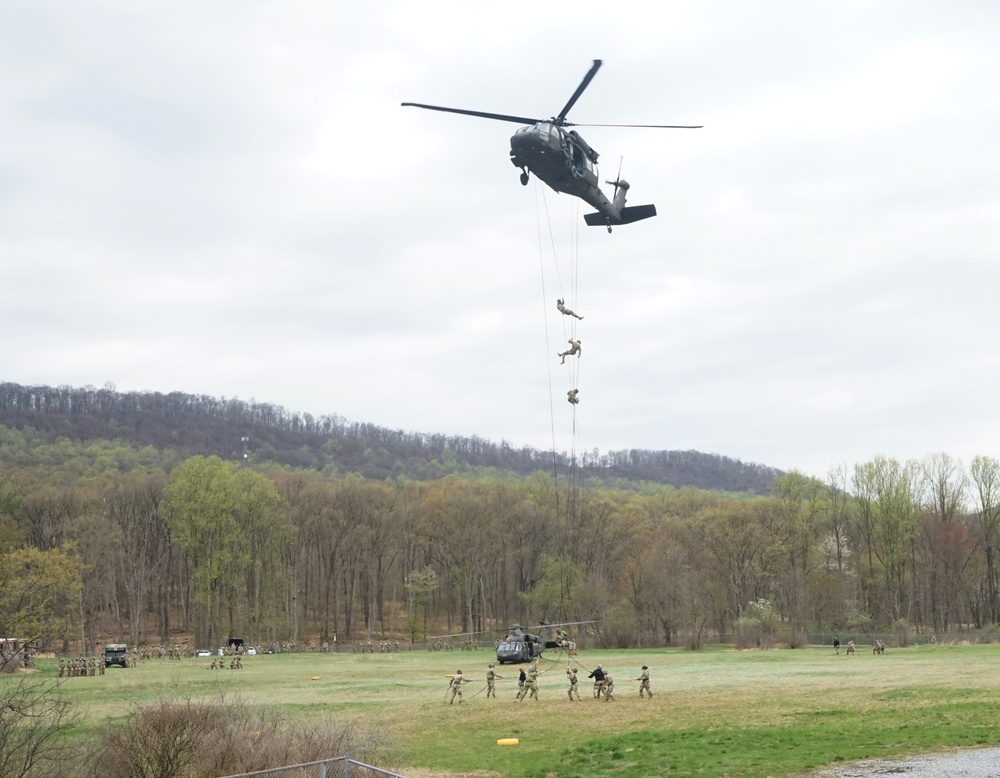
x=341 y=767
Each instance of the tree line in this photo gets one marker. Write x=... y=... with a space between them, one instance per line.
x=201 y=424
x=212 y=548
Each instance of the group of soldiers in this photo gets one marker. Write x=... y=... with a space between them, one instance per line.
x=575 y=350
x=565 y=644
x=450 y=644
x=368 y=647
x=160 y=652
x=235 y=663
x=527 y=683
x=81 y=667
x=877 y=648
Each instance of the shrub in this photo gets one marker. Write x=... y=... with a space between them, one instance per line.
x=756 y=627
x=33 y=716
x=203 y=739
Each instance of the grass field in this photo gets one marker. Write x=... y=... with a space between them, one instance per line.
x=716 y=713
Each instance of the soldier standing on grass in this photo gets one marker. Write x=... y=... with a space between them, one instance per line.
x=532 y=684
x=608 y=687
x=573 y=688
x=456 y=686
x=643 y=680
x=598 y=676
x=521 y=680
x=491 y=677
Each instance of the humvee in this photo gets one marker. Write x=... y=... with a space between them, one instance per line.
x=116 y=654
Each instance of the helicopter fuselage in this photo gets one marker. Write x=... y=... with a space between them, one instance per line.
x=563 y=160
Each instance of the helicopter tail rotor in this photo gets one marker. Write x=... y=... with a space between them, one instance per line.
x=618 y=183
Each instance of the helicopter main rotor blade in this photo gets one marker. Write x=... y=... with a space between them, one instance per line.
x=579 y=90
x=646 y=126
x=500 y=117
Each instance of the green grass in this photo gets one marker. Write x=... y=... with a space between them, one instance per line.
x=715 y=713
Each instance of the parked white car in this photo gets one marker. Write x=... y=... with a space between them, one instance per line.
x=251 y=651
x=204 y=652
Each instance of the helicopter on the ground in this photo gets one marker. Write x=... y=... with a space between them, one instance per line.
x=564 y=160
x=520 y=646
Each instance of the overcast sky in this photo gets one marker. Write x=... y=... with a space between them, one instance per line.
x=226 y=198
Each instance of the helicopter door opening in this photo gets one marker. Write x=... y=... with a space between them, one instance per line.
x=579 y=161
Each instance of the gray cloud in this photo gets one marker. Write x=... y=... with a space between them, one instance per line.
x=229 y=199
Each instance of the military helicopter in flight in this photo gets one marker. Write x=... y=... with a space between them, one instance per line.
x=562 y=158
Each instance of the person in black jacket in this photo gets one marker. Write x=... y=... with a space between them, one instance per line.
x=598 y=676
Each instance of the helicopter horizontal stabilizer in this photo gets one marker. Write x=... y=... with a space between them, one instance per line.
x=626 y=216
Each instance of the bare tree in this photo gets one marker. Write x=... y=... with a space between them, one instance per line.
x=985 y=475
x=33 y=718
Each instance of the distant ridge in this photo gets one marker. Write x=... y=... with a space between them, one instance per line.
x=200 y=424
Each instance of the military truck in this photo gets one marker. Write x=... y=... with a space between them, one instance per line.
x=116 y=654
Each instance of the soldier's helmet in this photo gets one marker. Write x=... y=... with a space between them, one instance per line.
x=458 y=672
x=491 y=664
x=644 y=667
x=598 y=667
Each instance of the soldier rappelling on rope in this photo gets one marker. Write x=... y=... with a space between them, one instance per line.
x=575 y=349
x=564 y=310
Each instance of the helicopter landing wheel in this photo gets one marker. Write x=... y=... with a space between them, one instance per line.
x=609 y=229
x=524 y=178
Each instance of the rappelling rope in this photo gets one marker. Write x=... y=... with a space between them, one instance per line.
x=539 y=203
x=575 y=370
x=568 y=325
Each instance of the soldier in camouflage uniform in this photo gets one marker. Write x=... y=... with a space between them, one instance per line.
x=573 y=684
x=456 y=686
x=532 y=683
x=643 y=680
x=575 y=349
x=561 y=305
x=491 y=676
x=608 y=688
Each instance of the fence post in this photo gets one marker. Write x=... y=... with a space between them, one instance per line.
x=322 y=770
x=347 y=767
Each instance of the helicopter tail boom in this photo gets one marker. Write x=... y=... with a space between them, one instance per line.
x=625 y=215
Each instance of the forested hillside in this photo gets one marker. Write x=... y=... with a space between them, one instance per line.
x=102 y=539
x=198 y=424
